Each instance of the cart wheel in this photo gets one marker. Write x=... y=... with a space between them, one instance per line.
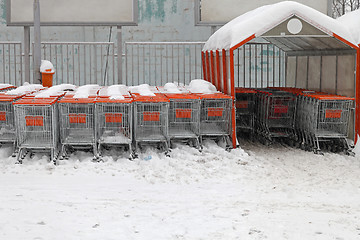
x=317 y=151
x=350 y=153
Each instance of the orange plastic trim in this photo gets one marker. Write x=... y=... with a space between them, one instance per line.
x=159 y=97
x=357 y=95
x=203 y=65
x=181 y=96
x=37 y=101
x=224 y=88
x=77 y=118
x=244 y=90
x=3 y=116
x=332 y=113
x=34 y=120
x=345 y=41
x=214 y=95
x=113 y=117
x=207 y=67
x=242 y=42
x=215 y=112
x=151 y=116
x=108 y=100
x=218 y=77
x=212 y=62
x=70 y=99
x=183 y=113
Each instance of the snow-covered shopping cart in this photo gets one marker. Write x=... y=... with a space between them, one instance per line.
x=113 y=112
x=245 y=110
x=77 y=128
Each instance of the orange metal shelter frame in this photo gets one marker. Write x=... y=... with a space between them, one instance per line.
x=212 y=72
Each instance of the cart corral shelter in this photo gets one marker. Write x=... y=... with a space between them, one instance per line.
x=287 y=45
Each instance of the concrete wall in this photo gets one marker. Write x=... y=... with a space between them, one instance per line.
x=159 y=20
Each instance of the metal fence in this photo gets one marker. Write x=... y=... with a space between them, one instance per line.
x=82 y=63
x=157 y=63
x=11 y=63
x=259 y=65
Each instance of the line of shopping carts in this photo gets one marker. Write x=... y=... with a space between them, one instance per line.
x=64 y=121
x=313 y=120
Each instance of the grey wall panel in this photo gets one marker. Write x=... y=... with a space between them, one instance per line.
x=328 y=74
x=291 y=72
x=346 y=75
x=301 y=72
x=314 y=73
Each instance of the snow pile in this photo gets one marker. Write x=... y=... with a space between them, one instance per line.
x=26 y=88
x=86 y=90
x=201 y=86
x=143 y=90
x=5 y=85
x=54 y=90
x=114 y=92
x=46 y=67
x=352 y=21
x=171 y=88
x=264 y=18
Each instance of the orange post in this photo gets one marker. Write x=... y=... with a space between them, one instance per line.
x=47 y=78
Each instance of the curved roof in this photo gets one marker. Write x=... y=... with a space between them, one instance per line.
x=352 y=21
x=263 y=19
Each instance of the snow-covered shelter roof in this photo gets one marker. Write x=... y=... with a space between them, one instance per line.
x=351 y=20
x=260 y=21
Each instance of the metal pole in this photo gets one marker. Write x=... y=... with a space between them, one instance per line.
x=37 y=42
x=27 y=53
x=119 y=48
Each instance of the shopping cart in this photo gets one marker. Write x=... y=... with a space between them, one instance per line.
x=37 y=126
x=77 y=128
x=325 y=118
x=245 y=110
x=275 y=115
x=151 y=120
x=184 y=117
x=7 y=114
x=215 y=117
x=113 y=121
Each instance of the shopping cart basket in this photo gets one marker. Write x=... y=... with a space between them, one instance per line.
x=7 y=115
x=77 y=128
x=325 y=118
x=275 y=115
x=215 y=117
x=114 y=121
x=245 y=110
x=37 y=126
x=184 y=117
x=151 y=120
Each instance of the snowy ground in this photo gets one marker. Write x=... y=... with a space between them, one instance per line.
x=256 y=192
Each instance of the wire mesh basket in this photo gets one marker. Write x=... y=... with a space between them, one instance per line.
x=275 y=114
x=215 y=116
x=245 y=109
x=77 y=128
x=114 y=122
x=37 y=125
x=184 y=117
x=151 y=120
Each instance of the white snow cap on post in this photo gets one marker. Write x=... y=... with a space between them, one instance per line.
x=46 y=67
x=201 y=86
x=262 y=19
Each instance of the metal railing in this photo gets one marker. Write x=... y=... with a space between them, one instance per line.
x=259 y=65
x=11 y=63
x=82 y=63
x=156 y=63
